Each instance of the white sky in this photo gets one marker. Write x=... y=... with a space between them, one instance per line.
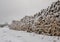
x=16 y=9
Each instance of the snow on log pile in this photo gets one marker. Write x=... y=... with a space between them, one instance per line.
x=46 y=22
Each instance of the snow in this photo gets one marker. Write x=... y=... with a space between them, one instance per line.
x=7 y=35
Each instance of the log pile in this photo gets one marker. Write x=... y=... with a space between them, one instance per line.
x=46 y=22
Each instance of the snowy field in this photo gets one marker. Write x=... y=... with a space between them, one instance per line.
x=16 y=9
x=7 y=35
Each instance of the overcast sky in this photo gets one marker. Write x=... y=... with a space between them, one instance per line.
x=16 y=9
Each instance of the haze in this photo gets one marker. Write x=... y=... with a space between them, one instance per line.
x=16 y=9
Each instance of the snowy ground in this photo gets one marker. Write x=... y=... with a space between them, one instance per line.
x=7 y=35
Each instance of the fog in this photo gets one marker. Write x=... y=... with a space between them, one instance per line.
x=16 y=9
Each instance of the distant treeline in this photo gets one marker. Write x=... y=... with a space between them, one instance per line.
x=2 y=25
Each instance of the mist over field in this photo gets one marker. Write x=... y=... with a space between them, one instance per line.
x=17 y=9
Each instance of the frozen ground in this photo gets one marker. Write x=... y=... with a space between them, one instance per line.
x=7 y=35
